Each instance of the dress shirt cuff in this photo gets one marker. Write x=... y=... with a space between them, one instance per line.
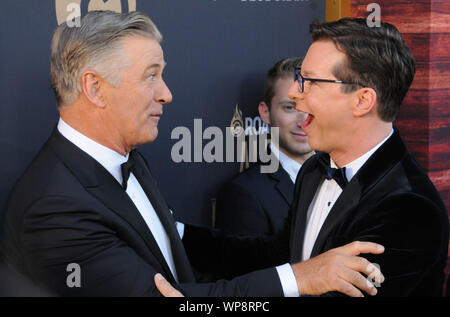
x=180 y=228
x=288 y=281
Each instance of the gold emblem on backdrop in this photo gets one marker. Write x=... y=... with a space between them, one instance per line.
x=64 y=7
x=237 y=123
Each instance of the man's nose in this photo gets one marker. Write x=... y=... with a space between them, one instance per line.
x=165 y=95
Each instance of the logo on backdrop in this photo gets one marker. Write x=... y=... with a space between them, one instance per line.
x=237 y=123
x=249 y=127
x=248 y=139
x=70 y=10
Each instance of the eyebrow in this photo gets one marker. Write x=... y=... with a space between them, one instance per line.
x=308 y=74
x=156 y=65
x=286 y=101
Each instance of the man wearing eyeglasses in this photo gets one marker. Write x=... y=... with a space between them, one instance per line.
x=363 y=184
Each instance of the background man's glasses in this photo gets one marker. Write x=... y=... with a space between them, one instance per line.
x=301 y=80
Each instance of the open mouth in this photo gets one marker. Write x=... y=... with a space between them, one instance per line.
x=307 y=123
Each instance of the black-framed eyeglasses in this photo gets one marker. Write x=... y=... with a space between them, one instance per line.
x=301 y=80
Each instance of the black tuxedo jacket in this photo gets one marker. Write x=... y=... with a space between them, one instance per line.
x=390 y=201
x=254 y=203
x=67 y=209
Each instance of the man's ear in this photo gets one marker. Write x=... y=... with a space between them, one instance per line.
x=264 y=112
x=366 y=99
x=91 y=84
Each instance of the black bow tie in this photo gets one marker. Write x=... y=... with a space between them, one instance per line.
x=338 y=174
x=127 y=168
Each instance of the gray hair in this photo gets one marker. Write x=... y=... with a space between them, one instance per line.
x=95 y=44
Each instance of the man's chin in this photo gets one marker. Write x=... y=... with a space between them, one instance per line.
x=153 y=136
x=317 y=147
x=298 y=149
x=149 y=137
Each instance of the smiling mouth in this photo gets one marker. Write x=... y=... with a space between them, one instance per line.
x=298 y=132
x=299 y=136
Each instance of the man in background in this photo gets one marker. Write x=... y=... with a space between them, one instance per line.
x=254 y=202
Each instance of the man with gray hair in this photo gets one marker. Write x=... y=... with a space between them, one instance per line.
x=87 y=219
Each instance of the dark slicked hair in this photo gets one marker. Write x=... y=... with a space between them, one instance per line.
x=282 y=69
x=377 y=57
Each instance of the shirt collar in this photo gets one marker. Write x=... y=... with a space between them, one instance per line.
x=291 y=166
x=353 y=167
x=109 y=159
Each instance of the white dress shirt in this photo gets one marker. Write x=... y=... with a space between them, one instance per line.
x=112 y=161
x=325 y=197
x=292 y=167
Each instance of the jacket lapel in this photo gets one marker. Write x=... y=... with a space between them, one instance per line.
x=180 y=258
x=102 y=185
x=115 y=198
x=283 y=184
x=309 y=180
x=376 y=167
x=349 y=198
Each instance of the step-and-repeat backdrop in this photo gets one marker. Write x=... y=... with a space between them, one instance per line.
x=217 y=52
